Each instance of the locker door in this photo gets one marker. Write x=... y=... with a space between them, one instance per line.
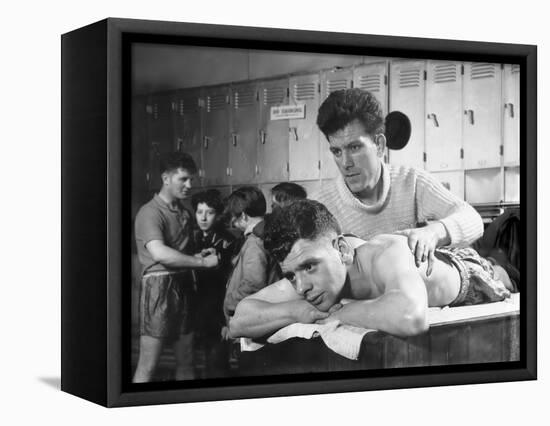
x=482 y=115
x=273 y=134
x=336 y=79
x=303 y=133
x=443 y=119
x=244 y=134
x=453 y=181
x=162 y=134
x=188 y=125
x=140 y=153
x=407 y=95
x=373 y=78
x=511 y=114
x=215 y=136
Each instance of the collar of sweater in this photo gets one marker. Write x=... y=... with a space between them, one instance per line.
x=351 y=200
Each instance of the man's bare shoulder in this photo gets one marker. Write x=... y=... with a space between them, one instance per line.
x=382 y=244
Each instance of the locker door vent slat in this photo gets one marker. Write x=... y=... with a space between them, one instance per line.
x=155 y=111
x=409 y=78
x=447 y=73
x=515 y=69
x=304 y=91
x=479 y=71
x=334 y=85
x=244 y=97
x=273 y=95
x=370 y=82
x=216 y=102
x=188 y=105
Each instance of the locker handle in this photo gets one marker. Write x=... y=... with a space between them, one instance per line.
x=180 y=144
x=155 y=146
x=206 y=141
x=434 y=117
x=234 y=139
x=262 y=137
x=470 y=113
x=511 y=109
x=295 y=131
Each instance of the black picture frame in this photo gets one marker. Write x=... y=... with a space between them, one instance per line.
x=95 y=207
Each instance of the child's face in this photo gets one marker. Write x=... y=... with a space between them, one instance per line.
x=206 y=216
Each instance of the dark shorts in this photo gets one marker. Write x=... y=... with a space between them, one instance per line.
x=166 y=305
x=478 y=283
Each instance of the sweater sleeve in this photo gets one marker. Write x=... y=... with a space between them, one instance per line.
x=435 y=202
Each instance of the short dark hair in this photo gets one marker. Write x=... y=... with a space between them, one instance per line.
x=344 y=106
x=172 y=161
x=211 y=197
x=247 y=199
x=303 y=219
x=288 y=191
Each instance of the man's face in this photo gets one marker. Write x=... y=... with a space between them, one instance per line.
x=316 y=271
x=358 y=157
x=206 y=216
x=178 y=183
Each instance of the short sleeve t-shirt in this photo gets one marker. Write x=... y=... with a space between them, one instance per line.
x=157 y=220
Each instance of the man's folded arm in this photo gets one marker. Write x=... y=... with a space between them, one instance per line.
x=402 y=308
x=172 y=258
x=271 y=309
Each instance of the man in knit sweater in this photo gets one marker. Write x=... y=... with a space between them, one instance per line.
x=371 y=197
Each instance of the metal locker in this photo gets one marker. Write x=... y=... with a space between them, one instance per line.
x=273 y=134
x=331 y=80
x=483 y=186
x=453 y=181
x=443 y=116
x=373 y=78
x=215 y=136
x=407 y=95
x=162 y=133
x=482 y=115
x=511 y=184
x=510 y=125
x=188 y=124
x=244 y=133
x=140 y=153
x=303 y=134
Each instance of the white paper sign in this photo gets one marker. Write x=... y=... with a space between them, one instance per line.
x=288 y=112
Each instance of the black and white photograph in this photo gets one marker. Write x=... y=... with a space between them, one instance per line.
x=304 y=212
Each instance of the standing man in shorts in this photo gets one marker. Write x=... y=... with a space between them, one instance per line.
x=163 y=231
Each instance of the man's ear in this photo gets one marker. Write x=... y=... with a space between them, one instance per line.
x=380 y=140
x=345 y=250
x=165 y=176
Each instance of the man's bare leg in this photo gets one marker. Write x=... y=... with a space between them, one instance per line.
x=183 y=351
x=149 y=353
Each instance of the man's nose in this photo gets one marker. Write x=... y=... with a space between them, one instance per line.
x=347 y=159
x=302 y=286
x=188 y=184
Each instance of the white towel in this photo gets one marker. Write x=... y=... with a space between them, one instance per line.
x=346 y=339
x=342 y=339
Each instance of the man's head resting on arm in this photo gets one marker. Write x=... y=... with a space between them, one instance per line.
x=306 y=240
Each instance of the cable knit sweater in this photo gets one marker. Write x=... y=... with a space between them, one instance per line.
x=409 y=197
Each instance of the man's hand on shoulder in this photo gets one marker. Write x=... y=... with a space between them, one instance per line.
x=423 y=242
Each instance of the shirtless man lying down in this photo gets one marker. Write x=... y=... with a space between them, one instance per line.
x=389 y=292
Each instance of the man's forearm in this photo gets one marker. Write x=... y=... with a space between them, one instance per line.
x=256 y=318
x=174 y=259
x=392 y=313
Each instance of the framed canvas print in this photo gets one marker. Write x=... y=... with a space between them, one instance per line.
x=253 y=212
